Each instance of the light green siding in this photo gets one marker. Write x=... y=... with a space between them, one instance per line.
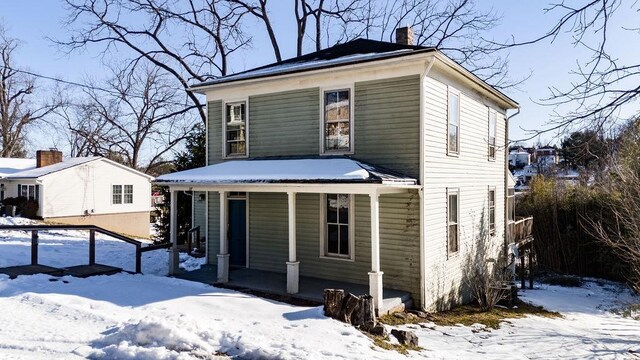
x=285 y=123
x=399 y=239
x=214 y=132
x=213 y=237
x=387 y=123
x=199 y=213
x=268 y=231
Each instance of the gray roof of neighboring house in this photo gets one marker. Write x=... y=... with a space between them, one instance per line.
x=10 y=166
x=339 y=169
x=352 y=52
x=46 y=170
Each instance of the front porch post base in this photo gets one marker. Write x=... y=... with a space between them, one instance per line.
x=223 y=268
x=375 y=289
x=293 y=277
x=174 y=261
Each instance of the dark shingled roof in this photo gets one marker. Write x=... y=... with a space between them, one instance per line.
x=352 y=52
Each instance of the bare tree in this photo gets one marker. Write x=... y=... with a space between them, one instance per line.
x=20 y=107
x=619 y=229
x=196 y=40
x=604 y=86
x=137 y=122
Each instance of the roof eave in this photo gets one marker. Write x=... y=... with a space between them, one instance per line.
x=512 y=104
x=201 y=89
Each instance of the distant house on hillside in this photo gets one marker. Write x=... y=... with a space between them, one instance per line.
x=82 y=190
x=547 y=156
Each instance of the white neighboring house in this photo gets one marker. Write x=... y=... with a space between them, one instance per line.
x=82 y=191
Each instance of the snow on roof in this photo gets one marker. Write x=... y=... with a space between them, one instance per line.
x=318 y=170
x=45 y=170
x=286 y=68
x=12 y=165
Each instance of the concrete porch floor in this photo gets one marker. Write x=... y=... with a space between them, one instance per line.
x=310 y=288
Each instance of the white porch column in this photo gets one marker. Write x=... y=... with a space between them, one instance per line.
x=223 y=255
x=293 y=271
x=173 y=233
x=375 y=276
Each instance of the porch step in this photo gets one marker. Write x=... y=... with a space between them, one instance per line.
x=84 y=271
x=15 y=271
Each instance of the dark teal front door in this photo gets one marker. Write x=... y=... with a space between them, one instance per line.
x=237 y=233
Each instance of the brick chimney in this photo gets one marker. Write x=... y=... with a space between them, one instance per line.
x=48 y=157
x=404 y=35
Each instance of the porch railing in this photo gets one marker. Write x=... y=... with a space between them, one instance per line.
x=521 y=229
x=92 y=240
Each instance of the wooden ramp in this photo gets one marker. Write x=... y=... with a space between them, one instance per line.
x=15 y=271
x=81 y=271
x=84 y=271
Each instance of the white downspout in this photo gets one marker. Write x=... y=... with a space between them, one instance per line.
x=427 y=68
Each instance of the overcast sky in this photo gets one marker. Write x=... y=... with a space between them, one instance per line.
x=32 y=21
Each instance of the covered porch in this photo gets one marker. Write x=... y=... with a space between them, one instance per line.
x=310 y=289
x=292 y=177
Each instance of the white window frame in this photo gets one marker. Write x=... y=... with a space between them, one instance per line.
x=124 y=194
x=324 y=254
x=452 y=91
x=323 y=150
x=492 y=146
x=113 y=193
x=491 y=226
x=29 y=187
x=225 y=155
x=453 y=191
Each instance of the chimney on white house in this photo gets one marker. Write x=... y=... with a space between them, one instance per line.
x=48 y=157
x=404 y=35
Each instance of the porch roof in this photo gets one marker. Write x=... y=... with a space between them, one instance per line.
x=321 y=170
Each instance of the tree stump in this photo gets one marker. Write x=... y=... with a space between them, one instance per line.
x=350 y=305
x=364 y=315
x=333 y=299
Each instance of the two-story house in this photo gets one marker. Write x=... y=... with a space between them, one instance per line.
x=370 y=163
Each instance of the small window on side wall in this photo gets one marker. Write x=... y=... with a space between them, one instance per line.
x=453 y=117
x=116 y=194
x=492 y=134
x=492 y=211
x=337 y=121
x=235 y=129
x=453 y=213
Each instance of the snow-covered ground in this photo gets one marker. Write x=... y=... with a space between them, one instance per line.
x=149 y=316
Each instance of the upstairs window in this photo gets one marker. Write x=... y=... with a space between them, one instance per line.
x=452 y=220
x=337 y=121
x=453 y=115
x=492 y=134
x=492 y=211
x=235 y=129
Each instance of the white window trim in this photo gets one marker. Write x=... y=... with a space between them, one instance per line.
x=451 y=90
x=451 y=191
x=224 y=127
x=495 y=135
x=323 y=230
x=492 y=232
x=351 y=150
x=121 y=194
x=124 y=193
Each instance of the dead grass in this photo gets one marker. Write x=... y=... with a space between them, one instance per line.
x=383 y=342
x=631 y=311
x=469 y=314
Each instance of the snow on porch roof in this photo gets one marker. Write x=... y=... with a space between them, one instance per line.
x=316 y=170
